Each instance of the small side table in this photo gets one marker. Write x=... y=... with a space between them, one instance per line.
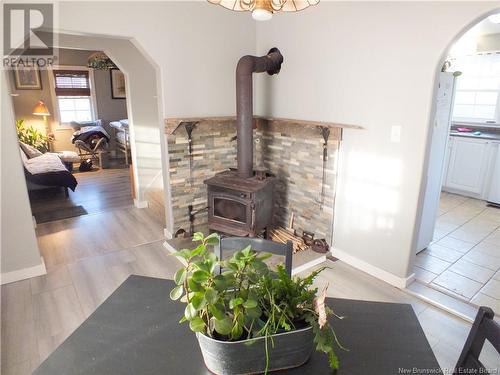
x=104 y=159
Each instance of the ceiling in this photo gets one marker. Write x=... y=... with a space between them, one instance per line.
x=486 y=27
x=474 y=40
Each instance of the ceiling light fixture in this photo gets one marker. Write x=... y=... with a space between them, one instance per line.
x=100 y=61
x=494 y=18
x=263 y=10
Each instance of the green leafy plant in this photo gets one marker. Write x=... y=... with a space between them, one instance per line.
x=31 y=136
x=249 y=300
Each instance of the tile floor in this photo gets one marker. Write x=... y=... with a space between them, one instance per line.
x=464 y=259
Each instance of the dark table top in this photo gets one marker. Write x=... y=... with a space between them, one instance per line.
x=136 y=332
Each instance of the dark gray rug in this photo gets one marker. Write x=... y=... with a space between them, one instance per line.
x=59 y=213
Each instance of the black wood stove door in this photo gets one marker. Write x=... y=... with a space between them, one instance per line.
x=230 y=210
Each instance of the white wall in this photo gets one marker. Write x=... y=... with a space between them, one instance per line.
x=195 y=45
x=371 y=64
x=191 y=51
x=19 y=251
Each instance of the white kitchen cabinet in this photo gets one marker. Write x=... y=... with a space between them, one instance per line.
x=467 y=166
x=493 y=180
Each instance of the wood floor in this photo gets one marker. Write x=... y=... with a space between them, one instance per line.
x=87 y=258
x=90 y=256
x=98 y=190
x=67 y=241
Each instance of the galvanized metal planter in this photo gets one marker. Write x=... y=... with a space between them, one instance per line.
x=291 y=349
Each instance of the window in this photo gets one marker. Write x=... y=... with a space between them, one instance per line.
x=72 y=88
x=74 y=108
x=478 y=88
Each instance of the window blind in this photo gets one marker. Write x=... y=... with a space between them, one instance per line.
x=72 y=82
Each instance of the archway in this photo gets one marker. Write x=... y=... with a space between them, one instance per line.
x=148 y=148
x=449 y=248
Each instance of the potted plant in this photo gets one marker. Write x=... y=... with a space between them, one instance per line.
x=250 y=319
x=31 y=136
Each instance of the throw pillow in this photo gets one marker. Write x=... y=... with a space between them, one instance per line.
x=30 y=151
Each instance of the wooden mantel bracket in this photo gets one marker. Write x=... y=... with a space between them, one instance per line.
x=189 y=126
x=173 y=123
x=325 y=132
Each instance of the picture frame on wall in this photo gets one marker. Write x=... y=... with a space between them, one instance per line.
x=118 y=90
x=27 y=78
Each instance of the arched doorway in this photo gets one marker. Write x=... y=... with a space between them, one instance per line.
x=148 y=148
x=456 y=263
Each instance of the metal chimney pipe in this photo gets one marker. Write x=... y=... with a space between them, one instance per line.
x=247 y=65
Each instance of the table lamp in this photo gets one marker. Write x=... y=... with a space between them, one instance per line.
x=42 y=110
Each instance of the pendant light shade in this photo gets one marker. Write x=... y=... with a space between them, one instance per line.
x=262 y=10
x=262 y=14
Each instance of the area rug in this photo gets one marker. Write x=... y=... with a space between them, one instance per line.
x=59 y=213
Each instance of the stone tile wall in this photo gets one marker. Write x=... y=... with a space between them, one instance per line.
x=213 y=152
x=295 y=155
x=292 y=152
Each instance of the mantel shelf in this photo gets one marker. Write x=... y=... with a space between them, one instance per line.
x=172 y=123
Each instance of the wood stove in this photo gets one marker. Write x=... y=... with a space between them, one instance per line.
x=240 y=206
x=240 y=202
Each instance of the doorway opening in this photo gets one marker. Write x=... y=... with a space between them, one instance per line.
x=73 y=132
x=458 y=244
x=124 y=187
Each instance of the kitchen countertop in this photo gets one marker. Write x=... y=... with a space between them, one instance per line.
x=484 y=135
x=487 y=132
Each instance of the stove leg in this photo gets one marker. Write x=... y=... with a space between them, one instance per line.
x=267 y=233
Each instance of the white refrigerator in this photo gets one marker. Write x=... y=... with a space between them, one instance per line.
x=434 y=175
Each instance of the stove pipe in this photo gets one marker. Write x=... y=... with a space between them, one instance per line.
x=247 y=65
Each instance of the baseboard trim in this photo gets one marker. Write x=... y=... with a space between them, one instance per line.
x=172 y=250
x=169 y=247
x=24 y=273
x=463 y=193
x=435 y=297
x=141 y=204
x=398 y=282
x=308 y=265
